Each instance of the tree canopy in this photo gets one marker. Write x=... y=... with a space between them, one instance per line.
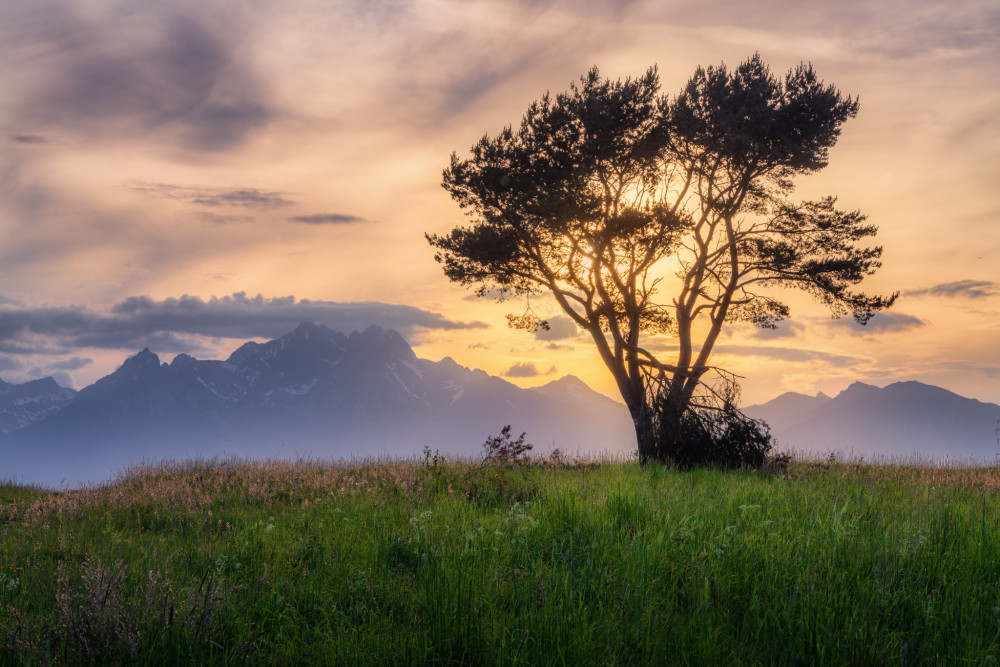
x=604 y=191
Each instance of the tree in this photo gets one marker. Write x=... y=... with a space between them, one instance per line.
x=605 y=191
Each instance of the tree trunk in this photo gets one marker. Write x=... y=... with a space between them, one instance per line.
x=658 y=419
x=669 y=415
x=645 y=435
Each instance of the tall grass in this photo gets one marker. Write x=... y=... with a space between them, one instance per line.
x=446 y=562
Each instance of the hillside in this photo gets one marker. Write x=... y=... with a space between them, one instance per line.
x=454 y=564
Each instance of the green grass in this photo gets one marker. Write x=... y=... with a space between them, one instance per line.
x=447 y=563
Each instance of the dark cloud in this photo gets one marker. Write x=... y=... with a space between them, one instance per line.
x=29 y=139
x=246 y=198
x=215 y=197
x=10 y=363
x=223 y=219
x=559 y=328
x=887 y=322
x=181 y=324
x=140 y=74
x=327 y=219
x=964 y=289
x=71 y=364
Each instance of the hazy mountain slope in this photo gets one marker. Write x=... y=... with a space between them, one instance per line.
x=904 y=419
x=313 y=392
x=789 y=408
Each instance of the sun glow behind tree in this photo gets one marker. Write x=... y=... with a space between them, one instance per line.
x=601 y=187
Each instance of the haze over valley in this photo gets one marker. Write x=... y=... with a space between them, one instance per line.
x=318 y=393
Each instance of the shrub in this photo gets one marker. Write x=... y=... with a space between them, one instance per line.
x=501 y=450
x=712 y=432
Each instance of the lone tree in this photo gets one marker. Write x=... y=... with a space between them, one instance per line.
x=610 y=193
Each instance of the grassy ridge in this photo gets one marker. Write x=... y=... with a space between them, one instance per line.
x=441 y=562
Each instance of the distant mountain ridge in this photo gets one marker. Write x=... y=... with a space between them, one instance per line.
x=30 y=402
x=902 y=420
x=316 y=392
x=313 y=392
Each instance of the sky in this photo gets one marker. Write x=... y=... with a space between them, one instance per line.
x=189 y=175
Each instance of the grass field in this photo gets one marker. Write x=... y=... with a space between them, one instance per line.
x=439 y=562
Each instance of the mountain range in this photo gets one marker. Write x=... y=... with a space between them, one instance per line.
x=318 y=393
x=313 y=393
x=902 y=421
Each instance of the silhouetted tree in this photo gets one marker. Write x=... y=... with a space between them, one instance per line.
x=606 y=191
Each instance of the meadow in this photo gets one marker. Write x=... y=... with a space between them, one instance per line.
x=553 y=563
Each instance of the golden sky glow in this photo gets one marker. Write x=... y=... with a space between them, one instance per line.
x=214 y=148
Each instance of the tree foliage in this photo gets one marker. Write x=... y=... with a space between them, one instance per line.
x=608 y=194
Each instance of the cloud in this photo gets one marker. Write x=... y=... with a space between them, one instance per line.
x=892 y=29
x=887 y=322
x=71 y=364
x=148 y=74
x=223 y=219
x=22 y=372
x=204 y=196
x=967 y=289
x=785 y=329
x=246 y=198
x=491 y=293
x=8 y=363
x=526 y=370
x=967 y=368
x=791 y=354
x=327 y=219
x=181 y=324
x=559 y=328
x=28 y=139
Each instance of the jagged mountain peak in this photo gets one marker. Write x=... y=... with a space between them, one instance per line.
x=182 y=360
x=858 y=389
x=378 y=341
x=567 y=381
x=308 y=340
x=141 y=360
x=307 y=330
